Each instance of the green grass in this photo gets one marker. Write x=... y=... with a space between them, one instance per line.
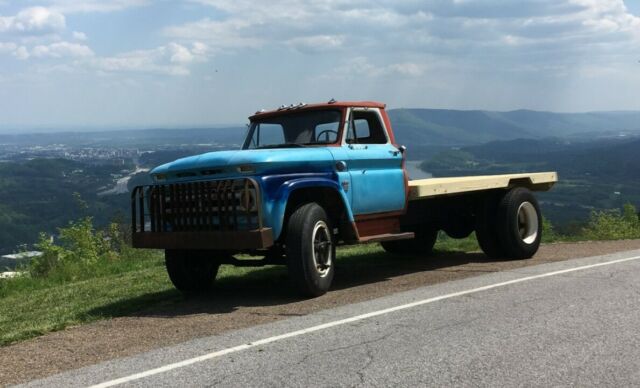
x=34 y=306
x=31 y=306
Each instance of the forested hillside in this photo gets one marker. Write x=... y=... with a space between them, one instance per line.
x=40 y=195
x=458 y=127
x=600 y=174
x=39 y=173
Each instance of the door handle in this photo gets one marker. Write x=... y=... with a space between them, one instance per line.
x=394 y=153
x=358 y=146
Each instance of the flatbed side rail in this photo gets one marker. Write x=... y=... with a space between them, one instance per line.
x=431 y=187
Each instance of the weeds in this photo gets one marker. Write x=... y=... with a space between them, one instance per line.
x=613 y=224
x=90 y=274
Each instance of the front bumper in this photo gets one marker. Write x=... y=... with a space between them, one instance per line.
x=221 y=240
x=214 y=214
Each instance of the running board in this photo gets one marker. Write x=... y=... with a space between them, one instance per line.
x=387 y=237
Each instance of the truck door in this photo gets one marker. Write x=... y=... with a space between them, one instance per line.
x=375 y=165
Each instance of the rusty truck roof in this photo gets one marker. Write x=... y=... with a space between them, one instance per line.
x=284 y=109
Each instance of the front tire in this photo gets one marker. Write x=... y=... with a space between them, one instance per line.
x=191 y=271
x=310 y=250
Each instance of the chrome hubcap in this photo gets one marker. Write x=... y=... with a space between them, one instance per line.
x=322 y=248
x=527 y=222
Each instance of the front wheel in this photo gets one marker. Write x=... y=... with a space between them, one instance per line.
x=191 y=271
x=310 y=250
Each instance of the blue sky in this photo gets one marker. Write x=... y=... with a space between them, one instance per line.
x=142 y=63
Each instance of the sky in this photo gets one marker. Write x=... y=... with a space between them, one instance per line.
x=68 y=64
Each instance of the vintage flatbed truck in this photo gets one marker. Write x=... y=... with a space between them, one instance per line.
x=311 y=177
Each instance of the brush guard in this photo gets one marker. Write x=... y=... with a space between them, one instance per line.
x=214 y=214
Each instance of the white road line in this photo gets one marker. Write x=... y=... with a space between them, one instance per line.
x=356 y=318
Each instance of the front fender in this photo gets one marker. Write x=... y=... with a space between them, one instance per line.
x=277 y=190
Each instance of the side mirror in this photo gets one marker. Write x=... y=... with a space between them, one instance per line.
x=402 y=149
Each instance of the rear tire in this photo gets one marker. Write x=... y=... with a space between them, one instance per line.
x=519 y=224
x=191 y=271
x=486 y=228
x=459 y=226
x=310 y=250
x=422 y=244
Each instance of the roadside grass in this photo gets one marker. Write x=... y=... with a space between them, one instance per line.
x=35 y=308
x=30 y=307
x=64 y=289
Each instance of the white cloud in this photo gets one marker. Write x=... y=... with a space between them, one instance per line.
x=407 y=68
x=199 y=48
x=542 y=31
x=317 y=43
x=171 y=59
x=179 y=54
x=7 y=47
x=230 y=34
x=53 y=50
x=75 y=6
x=361 y=66
x=34 y=20
x=77 y=35
x=62 y=50
x=21 y=53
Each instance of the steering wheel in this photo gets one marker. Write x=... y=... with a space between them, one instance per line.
x=327 y=131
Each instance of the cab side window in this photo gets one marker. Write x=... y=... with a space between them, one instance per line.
x=365 y=128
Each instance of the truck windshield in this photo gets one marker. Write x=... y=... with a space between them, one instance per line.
x=294 y=130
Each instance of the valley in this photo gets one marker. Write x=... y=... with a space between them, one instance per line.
x=48 y=179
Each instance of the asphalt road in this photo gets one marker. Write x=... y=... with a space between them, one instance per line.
x=567 y=323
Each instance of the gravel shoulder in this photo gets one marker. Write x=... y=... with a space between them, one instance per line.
x=240 y=305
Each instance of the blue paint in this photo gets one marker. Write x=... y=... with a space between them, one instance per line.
x=264 y=162
x=374 y=179
x=278 y=188
x=377 y=178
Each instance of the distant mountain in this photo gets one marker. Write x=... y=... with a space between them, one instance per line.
x=468 y=127
x=611 y=160
x=416 y=128
x=594 y=174
x=138 y=138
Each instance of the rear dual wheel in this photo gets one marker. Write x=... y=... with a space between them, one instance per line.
x=510 y=226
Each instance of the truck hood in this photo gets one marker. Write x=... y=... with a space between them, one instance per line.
x=221 y=164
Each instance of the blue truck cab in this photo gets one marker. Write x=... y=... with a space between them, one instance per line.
x=307 y=178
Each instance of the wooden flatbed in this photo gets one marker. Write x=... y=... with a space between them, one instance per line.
x=432 y=187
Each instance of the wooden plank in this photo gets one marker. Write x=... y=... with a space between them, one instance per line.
x=431 y=187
